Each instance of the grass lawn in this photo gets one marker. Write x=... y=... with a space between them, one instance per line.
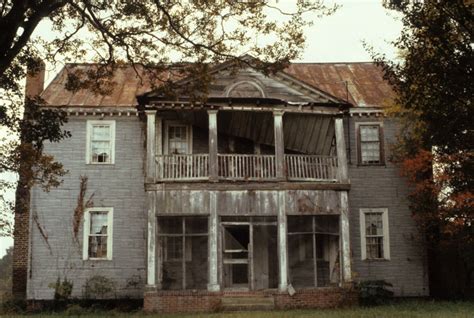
x=405 y=310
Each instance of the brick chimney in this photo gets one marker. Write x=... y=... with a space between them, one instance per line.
x=33 y=87
x=34 y=79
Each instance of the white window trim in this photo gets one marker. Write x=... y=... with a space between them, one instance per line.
x=189 y=133
x=87 y=227
x=386 y=237
x=90 y=123
x=358 y=146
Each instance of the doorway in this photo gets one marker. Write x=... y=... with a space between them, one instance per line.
x=249 y=253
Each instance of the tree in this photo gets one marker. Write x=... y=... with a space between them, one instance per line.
x=433 y=83
x=152 y=34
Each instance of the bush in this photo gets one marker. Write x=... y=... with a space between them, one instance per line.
x=374 y=292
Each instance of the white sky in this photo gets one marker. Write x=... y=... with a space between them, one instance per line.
x=337 y=38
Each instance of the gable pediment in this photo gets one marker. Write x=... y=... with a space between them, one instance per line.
x=227 y=80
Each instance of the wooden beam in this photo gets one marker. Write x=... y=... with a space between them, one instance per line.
x=150 y=146
x=213 y=164
x=231 y=186
x=279 y=145
x=159 y=145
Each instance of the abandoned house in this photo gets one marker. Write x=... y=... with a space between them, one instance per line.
x=277 y=191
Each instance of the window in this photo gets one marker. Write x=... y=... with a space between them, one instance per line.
x=182 y=242
x=100 y=142
x=374 y=234
x=370 y=143
x=98 y=234
x=313 y=250
x=178 y=138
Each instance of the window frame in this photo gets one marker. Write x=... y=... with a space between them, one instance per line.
x=86 y=231
x=90 y=124
x=359 y=143
x=189 y=136
x=385 y=230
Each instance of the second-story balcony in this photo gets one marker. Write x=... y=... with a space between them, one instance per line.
x=250 y=145
x=246 y=167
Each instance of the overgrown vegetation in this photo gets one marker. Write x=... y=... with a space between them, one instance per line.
x=374 y=292
x=6 y=275
x=415 y=309
x=433 y=84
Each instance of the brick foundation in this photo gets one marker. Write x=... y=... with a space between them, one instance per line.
x=204 y=301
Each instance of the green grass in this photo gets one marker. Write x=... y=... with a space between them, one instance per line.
x=407 y=309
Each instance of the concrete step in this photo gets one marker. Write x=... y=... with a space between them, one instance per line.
x=241 y=303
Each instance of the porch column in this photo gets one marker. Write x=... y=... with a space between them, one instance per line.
x=159 y=146
x=342 y=172
x=150 y=146
x=279 y=144
x=345 y=238
x=343 y=176
x=213 y=246
x=282 y=243
x=213 y=165
x=151 y=240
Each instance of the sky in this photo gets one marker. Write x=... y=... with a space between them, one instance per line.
x=336 y=38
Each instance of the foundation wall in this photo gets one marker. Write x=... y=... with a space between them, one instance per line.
x=203 y=301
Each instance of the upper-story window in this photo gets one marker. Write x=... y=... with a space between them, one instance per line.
x=178 y=138
x=98 y=233
x=100 y=141
x=374 y=233
x=370 y=144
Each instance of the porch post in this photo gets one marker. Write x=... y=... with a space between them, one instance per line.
x=213 y=246
x=282 y=243
x=345 y=238
x=279 y=144
x=213 y=165
x=150 y=146
x=151 y=239
x=343 y=176
x=159 y=146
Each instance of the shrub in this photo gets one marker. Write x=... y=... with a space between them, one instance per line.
x=374 y=292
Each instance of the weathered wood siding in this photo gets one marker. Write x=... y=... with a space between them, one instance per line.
x=247 y=202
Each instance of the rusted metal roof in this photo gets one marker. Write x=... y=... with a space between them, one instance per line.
x=361 y=84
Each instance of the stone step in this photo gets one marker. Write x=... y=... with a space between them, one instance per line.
x=241 y=303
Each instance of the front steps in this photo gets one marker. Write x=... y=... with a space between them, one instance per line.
x=247 y=303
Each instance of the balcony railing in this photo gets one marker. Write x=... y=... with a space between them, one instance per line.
x=246 y=167
x=243 y=167
x=311 y=168
x=183 y=167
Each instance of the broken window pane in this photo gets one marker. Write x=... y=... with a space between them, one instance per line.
x=98 y=235
x=374 y=235
x=101 y=143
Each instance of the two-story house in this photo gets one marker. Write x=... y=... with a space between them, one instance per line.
x=277 y=191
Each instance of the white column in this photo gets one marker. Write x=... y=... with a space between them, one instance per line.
x=282 y=243
x=213 y=165
x=279 y=144
x=151 y=239
x=213 y=243
x=159 y=146
x=150 y=146
x=345 y=238
x=343 y=175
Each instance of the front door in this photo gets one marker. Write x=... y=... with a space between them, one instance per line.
x=237 y=252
